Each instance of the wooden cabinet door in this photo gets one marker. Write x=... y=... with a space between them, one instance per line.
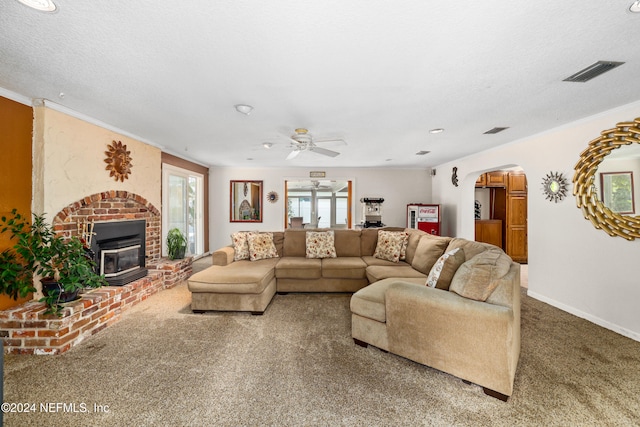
x=517 y=182
x=496 y=179
x=482 y=180
x=489 y=231
x=517 y=227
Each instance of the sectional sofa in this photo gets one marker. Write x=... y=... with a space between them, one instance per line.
x=448 y=303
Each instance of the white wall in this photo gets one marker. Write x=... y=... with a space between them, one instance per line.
x=398 y=187
x=572 y=265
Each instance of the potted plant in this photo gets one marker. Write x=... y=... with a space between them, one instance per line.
x=63 y=265
x=176 y=244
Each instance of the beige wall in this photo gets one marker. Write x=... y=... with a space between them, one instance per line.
x=72 y=166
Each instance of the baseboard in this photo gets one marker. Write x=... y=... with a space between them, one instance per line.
x=591 y=318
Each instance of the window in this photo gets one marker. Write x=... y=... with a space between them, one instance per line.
x=183 y=206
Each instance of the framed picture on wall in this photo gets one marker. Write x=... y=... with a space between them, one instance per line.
x=616 y=191
x=245 y=201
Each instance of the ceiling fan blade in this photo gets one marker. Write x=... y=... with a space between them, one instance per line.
x=331 y=141
x=324 y=151
x=293 y=154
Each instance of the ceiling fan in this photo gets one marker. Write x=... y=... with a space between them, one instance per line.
x=302 y=140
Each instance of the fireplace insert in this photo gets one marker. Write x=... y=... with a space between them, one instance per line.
x=119 y=248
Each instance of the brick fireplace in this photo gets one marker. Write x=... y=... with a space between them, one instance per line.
x=27 y=330
x=114 y=205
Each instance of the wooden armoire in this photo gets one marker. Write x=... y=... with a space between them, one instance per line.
x=509 y=209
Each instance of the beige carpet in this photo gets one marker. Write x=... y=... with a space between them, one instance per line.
x=296 y=365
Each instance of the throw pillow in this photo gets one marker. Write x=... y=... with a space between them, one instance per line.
x=320 y=244
x=390 y=245
x=443 y=270
x=429 y=249
x=405 y=244
x=261 y=246
x=241 y=244
x=477 y=278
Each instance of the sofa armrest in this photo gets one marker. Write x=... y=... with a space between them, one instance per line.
x=473 y=340
x=223 y=256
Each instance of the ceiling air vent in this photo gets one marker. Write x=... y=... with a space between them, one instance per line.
x=593 y=71
x=495 y=130
x=422 y=153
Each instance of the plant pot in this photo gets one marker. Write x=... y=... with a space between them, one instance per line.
x=51 y=287
x=179 y=253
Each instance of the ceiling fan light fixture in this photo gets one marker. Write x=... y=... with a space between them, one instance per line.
x=635 y=7
x=244 y=109
x=41 y=5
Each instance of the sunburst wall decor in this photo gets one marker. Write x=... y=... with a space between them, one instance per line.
x=554 y=186
x=118 y=161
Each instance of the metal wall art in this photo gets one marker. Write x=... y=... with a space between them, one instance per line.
x=272 y=196
x=554 y=186
x=118 y=161
x=454 y=176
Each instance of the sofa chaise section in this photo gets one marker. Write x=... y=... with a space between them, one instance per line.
x=239 y=286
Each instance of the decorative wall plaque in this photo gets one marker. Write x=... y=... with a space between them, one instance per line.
x=118 y=161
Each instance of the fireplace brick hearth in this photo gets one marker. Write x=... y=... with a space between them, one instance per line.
x=27 y=330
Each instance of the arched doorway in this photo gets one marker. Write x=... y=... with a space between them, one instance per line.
x=500 y=211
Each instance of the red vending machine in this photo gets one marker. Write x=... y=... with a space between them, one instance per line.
x=424 y=217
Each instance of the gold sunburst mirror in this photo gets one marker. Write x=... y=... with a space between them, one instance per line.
x=601 y=213
x=118 y=161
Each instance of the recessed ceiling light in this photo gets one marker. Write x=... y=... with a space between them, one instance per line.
x=244 y=109
x=436 y=130
x=267 y=145
x=635 y=7
x=422 y=153
x=41 y=5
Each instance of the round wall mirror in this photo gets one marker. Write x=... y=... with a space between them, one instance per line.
x=604 y=191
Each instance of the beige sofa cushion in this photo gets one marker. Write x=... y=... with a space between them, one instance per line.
x=294 y=243
x=344 y=268
x=299 y=268
x=477 y=278
x=471 y=248
x=371 y=260
x=239 y=277
x=445 y=268
x=368 y=241
x=412 y=244
x=369 y=302
x=347 y=243
x=379 y=272
x=429 y=249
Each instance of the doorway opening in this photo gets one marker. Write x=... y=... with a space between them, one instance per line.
x=500 y=211
x=318 y=203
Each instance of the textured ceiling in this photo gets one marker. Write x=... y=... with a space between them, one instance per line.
x=377 y=74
